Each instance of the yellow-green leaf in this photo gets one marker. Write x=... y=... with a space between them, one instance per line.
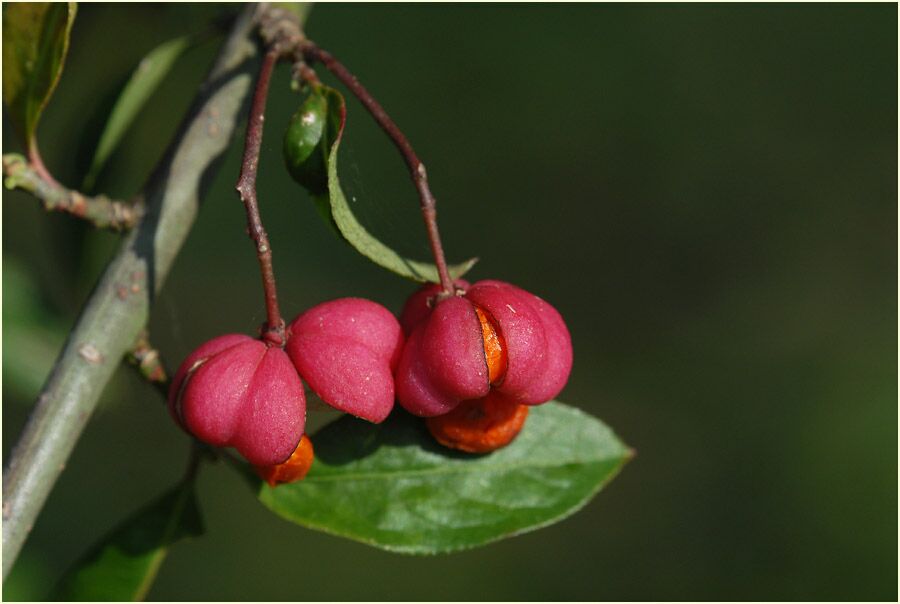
x=35 y=43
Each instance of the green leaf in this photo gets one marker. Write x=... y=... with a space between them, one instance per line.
x=342 y=216
x=146 y=78
x=393 y=487
x=303 y=147
x=123 y=565
x=35 y=43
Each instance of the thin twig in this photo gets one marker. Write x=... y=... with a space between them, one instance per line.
x=246 y=187
x=99 y=210
x=147 y=360
x=416 y=168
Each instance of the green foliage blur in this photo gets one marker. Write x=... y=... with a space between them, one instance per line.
x=708 y=194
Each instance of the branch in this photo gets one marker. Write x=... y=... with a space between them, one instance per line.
x=101 y=211
x=110 y=323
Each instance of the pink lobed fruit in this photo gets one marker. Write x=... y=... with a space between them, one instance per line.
x=447 y=359
x=347 y=350
x=418 y=306
x=236 y=391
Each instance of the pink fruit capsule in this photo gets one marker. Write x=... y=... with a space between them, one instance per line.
x=347 y=350
x=236 y=391
x=419 y=305
x=495 y=336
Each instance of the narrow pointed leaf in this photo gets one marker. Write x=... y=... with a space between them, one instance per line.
x=333 y=205
x=124 y=564
x=393 y=487
x=35 y=43
x=146 y=78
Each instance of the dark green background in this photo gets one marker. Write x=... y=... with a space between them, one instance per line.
x=707 y=193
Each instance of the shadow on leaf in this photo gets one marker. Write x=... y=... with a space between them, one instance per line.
x=350 y=439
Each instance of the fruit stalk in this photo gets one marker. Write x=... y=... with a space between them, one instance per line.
x=246 y=187
x=416 y=168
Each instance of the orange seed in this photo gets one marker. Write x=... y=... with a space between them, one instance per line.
x=479 y=425
x=494 y=349
x=292 y=470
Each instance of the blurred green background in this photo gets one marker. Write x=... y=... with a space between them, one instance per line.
x=707 y=193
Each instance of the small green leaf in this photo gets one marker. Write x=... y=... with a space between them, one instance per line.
x=393 y=487
x=146 y=78
x=303 y=147
x=123 y=565
x=35 y=43
x=334 y=205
